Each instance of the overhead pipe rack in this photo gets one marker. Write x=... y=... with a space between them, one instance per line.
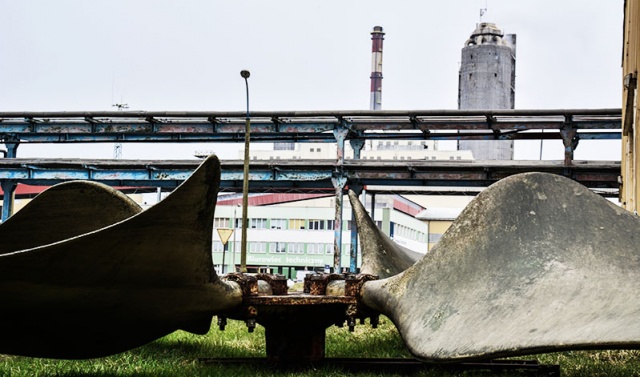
x=307 y=126
x=570 y=126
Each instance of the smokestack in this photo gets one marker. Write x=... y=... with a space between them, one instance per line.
x=377 y=36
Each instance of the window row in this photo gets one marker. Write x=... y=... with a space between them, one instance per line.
x=259 y=223
x=412 y=234
x=277 y=247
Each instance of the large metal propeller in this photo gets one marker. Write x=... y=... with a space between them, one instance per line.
x=380 y=255
x=62 y=211
x=536 y=263
x=104 y=291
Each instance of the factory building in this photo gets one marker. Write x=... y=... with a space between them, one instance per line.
x=289 y=237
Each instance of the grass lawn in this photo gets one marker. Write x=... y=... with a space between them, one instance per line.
x=180 y=354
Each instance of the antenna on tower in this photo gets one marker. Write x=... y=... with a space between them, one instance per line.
x=117 y=148
x=484 y=10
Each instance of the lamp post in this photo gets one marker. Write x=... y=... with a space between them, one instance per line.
x=245 y=184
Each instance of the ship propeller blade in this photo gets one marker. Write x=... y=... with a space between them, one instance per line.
x=63 y=211
x=380 y=255
x=536 y=263
x=121 y=286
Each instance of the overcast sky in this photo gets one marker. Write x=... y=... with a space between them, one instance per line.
x=303 y=55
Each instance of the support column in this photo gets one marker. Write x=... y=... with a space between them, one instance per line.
x=339 y=181
x=341 y=135
x=570 y=140
x=338 y=184
x=357 y=146
x=9 y=186
x=373 y=207
x=353 y=252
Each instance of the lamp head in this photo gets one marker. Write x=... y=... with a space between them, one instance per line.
x=244 y=73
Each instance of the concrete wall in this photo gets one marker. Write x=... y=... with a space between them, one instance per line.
x=487 y=81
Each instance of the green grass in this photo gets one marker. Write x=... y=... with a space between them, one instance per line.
x=180 y=354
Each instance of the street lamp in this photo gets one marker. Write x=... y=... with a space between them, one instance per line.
x=245 y=184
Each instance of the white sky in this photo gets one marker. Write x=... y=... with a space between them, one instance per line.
x=68 y=55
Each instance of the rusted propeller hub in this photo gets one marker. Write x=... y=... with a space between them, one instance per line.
x=295 y=323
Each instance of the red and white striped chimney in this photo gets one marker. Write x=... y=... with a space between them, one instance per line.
x=377 y=36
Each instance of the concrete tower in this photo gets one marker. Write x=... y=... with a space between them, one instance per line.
x=377 y=36
x=487 y=81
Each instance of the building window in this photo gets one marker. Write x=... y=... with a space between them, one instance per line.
x=221 y=222
x=314 y=248
x=278 y=224
x=328 y=248
x=312 y=150
x=379 y=224
x=318 y=150
x=316 y=224
x=331 y=224
x=217 y=247
x=295 y=248
x=277 y=247
x=239 y=223
x=258 y=223
x=459 y=158
x=296 y=223
x=379 y=158
x=258 y=247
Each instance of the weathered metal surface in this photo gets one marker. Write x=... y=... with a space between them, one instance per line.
x=536 y=263
x=121 y=286
x=63 y=211
x=274 y=175
x=295 y=323
x=301 y=126
x=380 y=255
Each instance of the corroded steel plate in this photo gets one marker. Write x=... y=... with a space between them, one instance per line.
x=121 y=286
x=536 y=263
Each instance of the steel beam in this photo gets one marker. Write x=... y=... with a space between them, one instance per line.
x=304 y=126
x=305 y=175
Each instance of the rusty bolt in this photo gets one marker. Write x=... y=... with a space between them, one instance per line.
x=351 y=321
x=375 y=319
x=222 y=322
x=251 y=324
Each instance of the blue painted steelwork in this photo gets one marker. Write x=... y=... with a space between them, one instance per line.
x=303 y=174
x=8 y=186
x=319 y=126
x=353 y=251
x=339 y=184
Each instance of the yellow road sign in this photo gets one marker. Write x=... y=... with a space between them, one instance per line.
x=224 y=234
